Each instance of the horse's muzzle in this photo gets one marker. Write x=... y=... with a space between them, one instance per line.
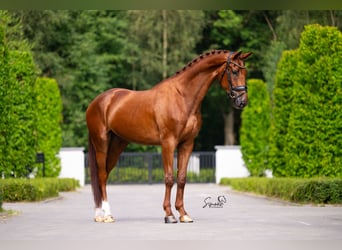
x=240 y=102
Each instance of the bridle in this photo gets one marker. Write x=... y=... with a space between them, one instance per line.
x=233 y=89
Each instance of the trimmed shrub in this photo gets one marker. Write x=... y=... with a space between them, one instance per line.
x=48 y=125
x=30 y=110
x=313 y=190
x=35 y=189
x=17 y=119
x=281 y=110
x=29 y=190
x=67 y=184
x=314 y=136
x=306 y=140
x=254 y=132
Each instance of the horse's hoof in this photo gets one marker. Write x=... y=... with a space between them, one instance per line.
x=185 y=219
x=108 y=219
x=105 y=219
x=98 y=218
x=170 y=219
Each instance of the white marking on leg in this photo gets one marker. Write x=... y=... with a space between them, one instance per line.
x=106 y=208
x=98 y=212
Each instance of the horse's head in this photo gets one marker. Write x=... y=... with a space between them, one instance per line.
x=235 y=82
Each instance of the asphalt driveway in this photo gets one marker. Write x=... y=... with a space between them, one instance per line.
x=218 y=213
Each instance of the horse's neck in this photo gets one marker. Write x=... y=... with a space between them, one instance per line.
x=195 y=80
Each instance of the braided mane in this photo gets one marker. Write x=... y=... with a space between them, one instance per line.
x=200 y=57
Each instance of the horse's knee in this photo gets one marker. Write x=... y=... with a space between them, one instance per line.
x=169 y=180
x=181 y=180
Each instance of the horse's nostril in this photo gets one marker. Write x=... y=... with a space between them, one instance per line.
x=239 y=103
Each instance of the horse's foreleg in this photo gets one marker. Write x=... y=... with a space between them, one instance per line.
x=167 y=154
x=184 y=152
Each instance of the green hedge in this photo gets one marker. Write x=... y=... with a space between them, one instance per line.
x=30 y=108
x=313 y=190
x=305 y=137
x=34 y=189
x=48 y=125
x=281 y=110
x=254 y=132
x=140 y=175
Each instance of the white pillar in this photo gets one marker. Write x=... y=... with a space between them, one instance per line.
x=193 y=164
x=72 y=161
x=229 y=163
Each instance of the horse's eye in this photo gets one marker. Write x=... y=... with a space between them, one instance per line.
x=235 y=72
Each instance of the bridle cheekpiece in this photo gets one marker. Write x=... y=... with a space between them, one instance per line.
x=233 y=89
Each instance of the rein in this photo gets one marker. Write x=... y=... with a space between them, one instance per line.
x=232 y=88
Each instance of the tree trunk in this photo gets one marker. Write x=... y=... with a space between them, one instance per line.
x=229 y=136
x=164 y=44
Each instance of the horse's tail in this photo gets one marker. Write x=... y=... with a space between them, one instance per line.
x=94 y=176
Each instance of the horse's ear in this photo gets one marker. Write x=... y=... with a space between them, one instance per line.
x=245 y=55
x=236 y=55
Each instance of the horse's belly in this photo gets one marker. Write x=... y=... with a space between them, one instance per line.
x=137 y=136
x=136 y=129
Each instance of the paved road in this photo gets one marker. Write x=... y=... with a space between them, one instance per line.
x=139 y=215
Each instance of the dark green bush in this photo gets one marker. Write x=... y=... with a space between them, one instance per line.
x=302 y=190
x=254 y=132
x=35 y=189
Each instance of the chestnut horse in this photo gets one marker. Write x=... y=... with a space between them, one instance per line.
x=168 y=115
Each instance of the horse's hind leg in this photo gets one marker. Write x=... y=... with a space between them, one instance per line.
x=115 y=148
x=103 y=176
x=98 y=147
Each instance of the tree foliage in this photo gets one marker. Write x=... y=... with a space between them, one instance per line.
x=82 y=50
x=161 y=43
x=89 y=51
x=254 y=132
x=240 y=30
